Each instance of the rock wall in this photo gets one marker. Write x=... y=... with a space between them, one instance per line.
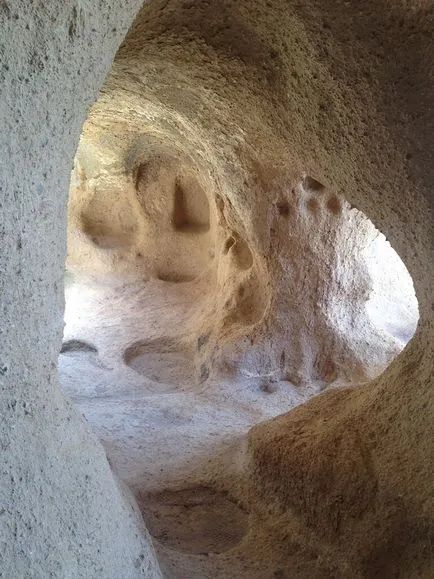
x=270 y=113
x=174 y=180
x=62 y=512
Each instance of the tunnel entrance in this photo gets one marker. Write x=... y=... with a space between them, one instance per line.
x=131 y=357
x=215 y=278
x=195 y=310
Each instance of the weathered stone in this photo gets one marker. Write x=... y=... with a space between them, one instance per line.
x=222 y=148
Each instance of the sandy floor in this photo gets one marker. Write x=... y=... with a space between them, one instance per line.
x=178 y=445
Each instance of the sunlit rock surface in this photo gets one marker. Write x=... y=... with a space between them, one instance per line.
x=233 y=147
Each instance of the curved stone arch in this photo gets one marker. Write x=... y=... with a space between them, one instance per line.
x=392 y=414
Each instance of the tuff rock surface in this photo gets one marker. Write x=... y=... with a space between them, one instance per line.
x=234 y=148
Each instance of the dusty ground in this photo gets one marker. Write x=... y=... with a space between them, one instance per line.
x=177 y=441
x=166 y=435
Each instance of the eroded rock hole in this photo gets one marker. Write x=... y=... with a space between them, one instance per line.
x=183 y=370
x=230 y=242
x=212 y=311
x=241 y=253
x=190 y=207
x=283 y=207
x=312 y=185
x=77 y=346
x=164 y=361
x=334 y=205
x=196 y=520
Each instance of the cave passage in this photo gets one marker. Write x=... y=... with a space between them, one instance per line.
x=208 y=291
x=246 y=386
x=145 y=260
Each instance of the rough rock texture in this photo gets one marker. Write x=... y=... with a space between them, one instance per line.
x=253 y=105
x=169 y=183
x=62 y=514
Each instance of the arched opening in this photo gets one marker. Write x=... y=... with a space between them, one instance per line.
x=340 y=486
x=185 y=327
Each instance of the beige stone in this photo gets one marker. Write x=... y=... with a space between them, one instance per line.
x=231 y=151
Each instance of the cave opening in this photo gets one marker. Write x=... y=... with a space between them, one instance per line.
x=184 y=328
x=151 y=258
x=209 y=185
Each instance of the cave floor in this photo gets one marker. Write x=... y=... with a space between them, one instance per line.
x=179 y=446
